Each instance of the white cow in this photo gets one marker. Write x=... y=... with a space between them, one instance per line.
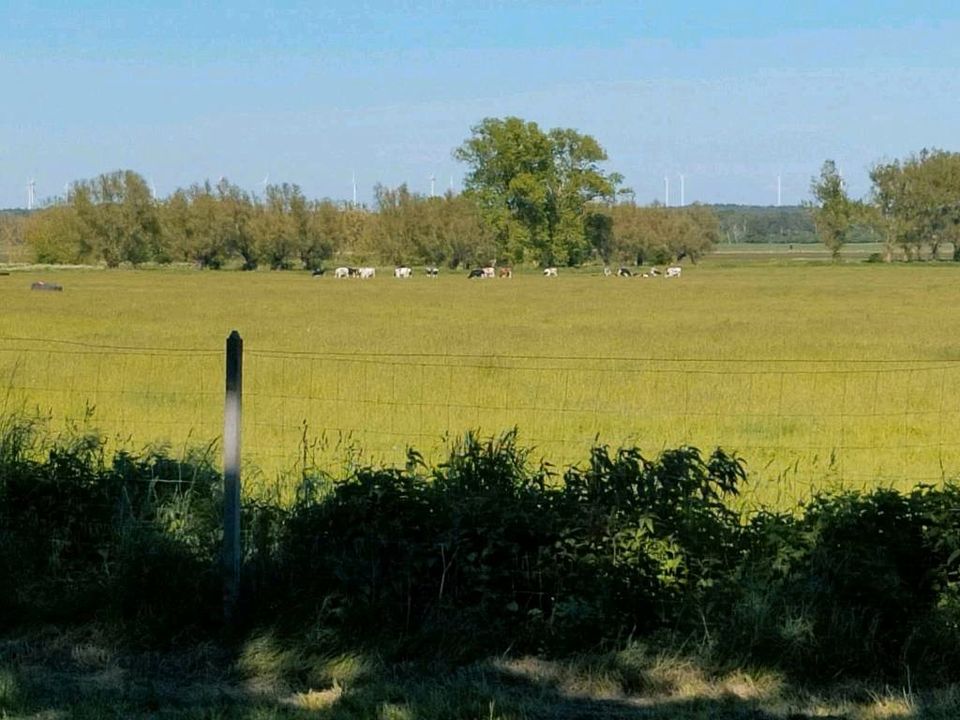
x=550 y=272
x=341 y=272
x=402 y=272
x=673 y=272
x=366 y=272
x=489 y=271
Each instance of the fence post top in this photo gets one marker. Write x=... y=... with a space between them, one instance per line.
x=234 y=336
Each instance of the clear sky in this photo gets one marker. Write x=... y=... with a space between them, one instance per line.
x=728 y=93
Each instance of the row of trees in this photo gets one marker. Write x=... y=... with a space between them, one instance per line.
x=531 y=196
x=913 y=207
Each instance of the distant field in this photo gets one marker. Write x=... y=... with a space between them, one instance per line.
x=787 y=252
x=814 y=373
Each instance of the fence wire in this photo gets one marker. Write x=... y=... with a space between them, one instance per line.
x=798 y=423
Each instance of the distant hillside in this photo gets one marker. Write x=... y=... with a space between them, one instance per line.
x=765 y=224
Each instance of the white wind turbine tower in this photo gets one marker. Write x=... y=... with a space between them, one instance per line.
x=265 y=182
x=666 y=191
x=354 y=188
x=31 y=193
x=433 y=181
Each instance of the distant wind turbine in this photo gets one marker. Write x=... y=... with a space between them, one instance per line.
x=666 y=191
x=31 y=193
x=433 y=181
x=354 y=188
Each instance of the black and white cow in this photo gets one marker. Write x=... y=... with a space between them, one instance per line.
x=624 y=272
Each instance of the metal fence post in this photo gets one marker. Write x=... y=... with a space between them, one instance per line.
x=231 y=477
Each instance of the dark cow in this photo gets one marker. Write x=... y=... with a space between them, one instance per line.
x=624 y=272
x=318 y=272
x=41 y=285
x=475 y=273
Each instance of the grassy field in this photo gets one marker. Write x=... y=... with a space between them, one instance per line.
x=815 y=373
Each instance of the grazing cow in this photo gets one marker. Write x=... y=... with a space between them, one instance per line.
x=654 y=272
x=42 y=285
x=673 y=272
x=318 y=272
x=366 y=273
x=607 y=272
x=489 y=271
x=432 y=271
x=624 y=272
x=476 y=273
x=403 y=272
x=506 y=272
x=550 y=272
x=341 y=272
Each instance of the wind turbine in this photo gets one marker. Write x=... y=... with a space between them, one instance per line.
x=666 y=191
x=433 y=180
x=31 y=193
x=354 y=189
x=265 y=182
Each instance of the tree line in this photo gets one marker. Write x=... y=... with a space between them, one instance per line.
x=913 y=207
x=531 y=196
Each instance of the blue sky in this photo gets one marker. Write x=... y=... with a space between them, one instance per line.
x=730 y=94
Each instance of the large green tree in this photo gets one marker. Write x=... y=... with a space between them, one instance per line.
x=533 y=187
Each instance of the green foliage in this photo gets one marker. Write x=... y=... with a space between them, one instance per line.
x=81 y=538
x=533 y=187
x=916 y=202
x=486 y=544
x=834 y=212
x=485 y=552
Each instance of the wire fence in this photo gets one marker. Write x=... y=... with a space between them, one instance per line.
x=799 y=423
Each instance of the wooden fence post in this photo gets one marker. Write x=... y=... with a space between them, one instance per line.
x=231 y=477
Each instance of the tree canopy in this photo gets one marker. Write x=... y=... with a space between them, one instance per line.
x=533 y=187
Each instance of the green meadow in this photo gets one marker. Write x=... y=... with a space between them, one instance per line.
x=814 y=373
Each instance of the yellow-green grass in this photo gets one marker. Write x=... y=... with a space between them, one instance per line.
x=816 y=374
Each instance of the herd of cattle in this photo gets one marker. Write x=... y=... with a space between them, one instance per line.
x=489 y=271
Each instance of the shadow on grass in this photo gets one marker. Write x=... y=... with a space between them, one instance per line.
x=61 y=676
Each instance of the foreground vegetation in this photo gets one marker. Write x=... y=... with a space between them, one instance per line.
x=627 y=587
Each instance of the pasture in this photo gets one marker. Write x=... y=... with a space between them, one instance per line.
x=814 y=373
